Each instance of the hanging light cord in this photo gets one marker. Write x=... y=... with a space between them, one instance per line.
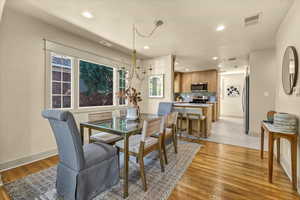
x=144 y=35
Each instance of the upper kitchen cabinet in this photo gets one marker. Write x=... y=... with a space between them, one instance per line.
x=186 y=82
x=187 y=79
x=177 y=82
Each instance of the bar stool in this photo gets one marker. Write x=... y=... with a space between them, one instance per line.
x=195 y=114
x=180 y=117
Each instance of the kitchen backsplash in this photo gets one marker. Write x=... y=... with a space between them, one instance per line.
x=189 y=96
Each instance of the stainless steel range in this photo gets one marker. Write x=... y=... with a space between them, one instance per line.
x=199 y=99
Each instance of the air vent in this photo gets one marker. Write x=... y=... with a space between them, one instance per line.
x=252 y=20
x=231 y=59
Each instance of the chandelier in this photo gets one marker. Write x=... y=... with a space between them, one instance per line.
x=136 y=70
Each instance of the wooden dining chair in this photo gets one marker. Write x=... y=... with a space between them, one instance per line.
x=170 y=128
x=103 y=137
x=143 y=144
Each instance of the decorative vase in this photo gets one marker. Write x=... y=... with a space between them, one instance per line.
x=132 y=113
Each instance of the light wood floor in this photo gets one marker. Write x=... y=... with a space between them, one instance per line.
x=218 y=171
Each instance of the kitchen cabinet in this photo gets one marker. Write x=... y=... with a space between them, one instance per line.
x=177 y=82
x=186 y=81
x=209 y=76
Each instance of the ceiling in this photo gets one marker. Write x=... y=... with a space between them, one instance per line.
x=189 y=29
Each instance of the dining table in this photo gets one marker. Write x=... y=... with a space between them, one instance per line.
x=122 y=127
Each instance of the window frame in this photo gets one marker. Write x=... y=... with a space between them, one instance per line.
x=53 y=54
x=75 y=82
x=78 y=86
x=126 y=83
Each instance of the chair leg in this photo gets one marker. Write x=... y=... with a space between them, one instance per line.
x=142 y=170
x=174 y=140
x=160 y=150
x=180 y=127
x=199 y=128
x=163 y=148
x=188 y=126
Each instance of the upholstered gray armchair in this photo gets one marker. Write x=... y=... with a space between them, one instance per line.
x=164 y=108
x=83 y=171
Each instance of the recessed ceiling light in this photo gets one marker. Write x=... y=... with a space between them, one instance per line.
x=146 y=47
x=215 y=58
x=176 y=63
x=87 y=14
x=186 y=69
x=220 y=28
x=219 y=65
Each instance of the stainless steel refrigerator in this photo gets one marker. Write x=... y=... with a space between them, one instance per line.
x=245 y=103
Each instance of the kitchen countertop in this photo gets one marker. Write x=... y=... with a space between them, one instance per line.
x=191 y=104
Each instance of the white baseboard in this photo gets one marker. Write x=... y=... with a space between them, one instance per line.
x=26 y=160
x=286 y=167
x=232 y=116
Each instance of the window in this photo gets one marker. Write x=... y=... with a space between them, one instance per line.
x=95 y=84
x=122 y=86
x=61 y=81
x=74 y=83
x=156 y=86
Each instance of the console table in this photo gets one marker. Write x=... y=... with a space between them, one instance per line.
x=276 y=135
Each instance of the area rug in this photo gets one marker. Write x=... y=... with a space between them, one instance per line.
x=41 y=186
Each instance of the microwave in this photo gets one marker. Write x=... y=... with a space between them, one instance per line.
x=199 y=87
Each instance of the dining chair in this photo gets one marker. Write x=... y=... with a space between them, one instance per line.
x=83 y=172
x=104 y=137
x=195 y=114
x=143 y=144
x=170 y=132
x=164 y=108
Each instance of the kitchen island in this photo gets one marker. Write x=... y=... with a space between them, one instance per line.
x=207 y=112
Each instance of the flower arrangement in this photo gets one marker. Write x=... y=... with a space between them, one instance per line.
x=131 y=95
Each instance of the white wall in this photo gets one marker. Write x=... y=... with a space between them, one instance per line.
x=2 y=2
x=231 y=106
x=161 y=65
x=288 y=34
x=262 y=86
x=23 y=132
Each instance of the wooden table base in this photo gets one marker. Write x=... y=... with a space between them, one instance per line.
x=292 y=138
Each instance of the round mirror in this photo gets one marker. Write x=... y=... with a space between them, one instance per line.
x=289 y=69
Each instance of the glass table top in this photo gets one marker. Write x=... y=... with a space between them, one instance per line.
x=120 y=125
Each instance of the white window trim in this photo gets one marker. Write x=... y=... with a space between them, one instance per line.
x=75 y=108
x=118 y=87
x=48 y=78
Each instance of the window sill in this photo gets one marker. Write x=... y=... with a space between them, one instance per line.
x=99 y=108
